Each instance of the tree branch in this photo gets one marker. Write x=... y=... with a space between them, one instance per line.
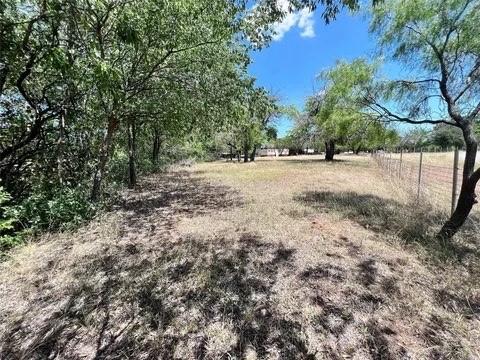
x=444 y=73
x=392 y=117
x=476 y=67
x=157 y=65
x=23 y=76
x=411 y=82
x=474 y=112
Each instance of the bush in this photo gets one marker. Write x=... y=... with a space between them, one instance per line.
x=57 y=209
x=46 y=208
x=9 y=218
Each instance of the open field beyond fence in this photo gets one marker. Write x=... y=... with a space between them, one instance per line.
x=429 y=176
x=284 y=258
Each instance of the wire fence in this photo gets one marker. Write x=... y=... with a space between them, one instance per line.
x=435 y=177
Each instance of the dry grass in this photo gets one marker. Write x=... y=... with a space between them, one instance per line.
x=434 y=158
x=289 y=258
x=436 y=180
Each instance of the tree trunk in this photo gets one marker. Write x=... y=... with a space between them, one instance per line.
x=245 y=153
x=357 y=150
x=231 y=152
x=329 y=150
x=238 y=155
x=156 y=147
x=132 y=171
x=3 y=76
x=467 y=197
x=103 y=158
x=252 y=156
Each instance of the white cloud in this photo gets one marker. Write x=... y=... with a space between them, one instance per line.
x=306 y=23
x=302 y=19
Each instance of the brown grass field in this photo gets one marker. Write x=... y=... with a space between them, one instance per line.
x=289 y=258
x=442 y=159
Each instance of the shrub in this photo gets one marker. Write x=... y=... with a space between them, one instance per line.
x=57 y=209
x=9 y=218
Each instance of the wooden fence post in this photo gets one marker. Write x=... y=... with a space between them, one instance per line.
x=455 y=180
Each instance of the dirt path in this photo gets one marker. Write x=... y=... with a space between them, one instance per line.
x=291 y=259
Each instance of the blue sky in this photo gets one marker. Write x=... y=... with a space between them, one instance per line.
x=289 y=66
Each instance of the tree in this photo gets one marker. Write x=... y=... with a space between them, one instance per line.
x=255 y=112
x=92 y=92
x=371 y=135
x=271 y=133
x=264 y=109
x=147 y=41
x=437 y=40
x=32 y=70
x=415 y=139
x=305 y=132
x=337 y=109
x=445 y=136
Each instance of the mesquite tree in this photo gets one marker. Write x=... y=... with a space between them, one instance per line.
x=438 y=41
x=337 y=108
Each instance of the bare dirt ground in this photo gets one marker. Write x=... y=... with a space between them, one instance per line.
x=289 y=258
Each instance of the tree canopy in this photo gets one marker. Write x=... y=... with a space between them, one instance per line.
x=93 y=92
x=338 y=109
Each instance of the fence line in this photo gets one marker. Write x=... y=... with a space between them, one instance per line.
x=437 y=181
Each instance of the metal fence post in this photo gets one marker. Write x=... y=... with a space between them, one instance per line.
x=455 y=180
x=420 y=174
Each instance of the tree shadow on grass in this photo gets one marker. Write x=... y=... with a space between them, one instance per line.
x=189 y=194
x=314 y=160
x=151 y=295
x=416 y=223
x=154 y=207
x=307 y=160
x=390 y=218
x=164 y=305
